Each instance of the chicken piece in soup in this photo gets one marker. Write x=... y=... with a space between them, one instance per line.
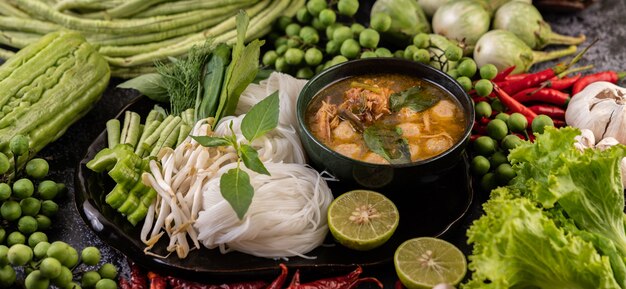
x=386 y=118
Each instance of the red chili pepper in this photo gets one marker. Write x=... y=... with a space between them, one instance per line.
x=552 y=111
x=535 y=79
x=531 y=80
x=609 y=75
x=478 y=99
x=484 y=120
x=561 y=83
x=548 y=95
x=124 y=284
x=280 y=280
x=363 y=280
x=474 y=136
x=156 y=281
x=558 y=122
x=176 y=283
x=516 y=77
x=479 y=128
x=137 y=278
x=512 y=104
x=340 y=282
x=502 y=75
x=398 y=285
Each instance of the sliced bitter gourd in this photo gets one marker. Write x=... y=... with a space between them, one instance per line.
x=46 y=87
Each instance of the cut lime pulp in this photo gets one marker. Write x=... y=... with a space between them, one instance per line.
x=362 y=219
x=425 y=262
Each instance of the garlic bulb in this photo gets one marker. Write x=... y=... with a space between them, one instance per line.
x=586 y=140
x=601 y=108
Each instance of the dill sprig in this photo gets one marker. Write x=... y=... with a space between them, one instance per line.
x=182 y=77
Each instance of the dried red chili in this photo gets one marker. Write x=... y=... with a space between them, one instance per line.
x=157 y=281
x=137 y=278
x=176 y=283
x=280 y=280
x=124 y=284
x=339 y=282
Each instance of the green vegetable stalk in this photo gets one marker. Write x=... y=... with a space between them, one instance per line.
x=526 y=22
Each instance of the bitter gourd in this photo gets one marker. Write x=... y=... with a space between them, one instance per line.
x=46 y=87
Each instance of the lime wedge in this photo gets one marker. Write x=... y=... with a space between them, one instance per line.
x=425 y=262
x=362 y=219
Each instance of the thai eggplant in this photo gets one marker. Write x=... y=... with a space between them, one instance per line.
x=407 y=18
x=503 y=49
x=526 y=22
x=464 y=21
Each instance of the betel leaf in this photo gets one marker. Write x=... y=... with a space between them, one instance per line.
x=211 y=141
x=251 y=159
x=237 y=191
x=387 y=142
x=150 y=85
x=261 y=118
x=414 y=98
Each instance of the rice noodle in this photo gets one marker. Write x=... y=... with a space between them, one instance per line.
x=287 y=216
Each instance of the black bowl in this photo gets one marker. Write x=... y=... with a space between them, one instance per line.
x=383 y=177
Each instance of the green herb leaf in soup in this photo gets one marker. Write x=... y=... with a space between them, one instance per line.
x=388 y=143
x=261 y=118
x=251 y=159
x=236 y=189
x=415 y=98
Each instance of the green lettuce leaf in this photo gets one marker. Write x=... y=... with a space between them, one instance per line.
x=516 y=245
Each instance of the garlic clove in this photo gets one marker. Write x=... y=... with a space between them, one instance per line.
x=606 y=143
x=600 y=107
x=586 y=138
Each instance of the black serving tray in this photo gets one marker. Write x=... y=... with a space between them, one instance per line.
x=425 y=210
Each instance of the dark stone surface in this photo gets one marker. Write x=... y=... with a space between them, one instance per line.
x=602 y=20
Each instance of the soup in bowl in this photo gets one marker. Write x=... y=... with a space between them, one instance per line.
x=383 y=122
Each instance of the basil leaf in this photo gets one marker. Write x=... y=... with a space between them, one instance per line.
x=237 y=191
x=251 y=159
x=149 y=85
x=261 y=118
x=388 y=143
x=414 y=98
x=211 y=141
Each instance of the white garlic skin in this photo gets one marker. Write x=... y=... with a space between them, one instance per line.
x=601 y=108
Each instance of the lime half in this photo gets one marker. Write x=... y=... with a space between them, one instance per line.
x=362 y=219
x=425 y=262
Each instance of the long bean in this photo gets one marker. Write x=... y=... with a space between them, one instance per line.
x=153 y=115
x=181 y=47
x=125 y=126
x=130 y=72
x=187 y=5
x=18 y=39
x=86 y=4
x=265 y=16
x=132 y=135
x=119 y=26
x=166 y=136
x=124 y=10
x=6 y=54
x=27 y=25
x=9 y=10
x=183 y=133
x=113 y=132
x=122 y=40
x=148 y=130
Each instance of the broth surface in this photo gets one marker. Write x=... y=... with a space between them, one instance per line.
x=357 y=115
